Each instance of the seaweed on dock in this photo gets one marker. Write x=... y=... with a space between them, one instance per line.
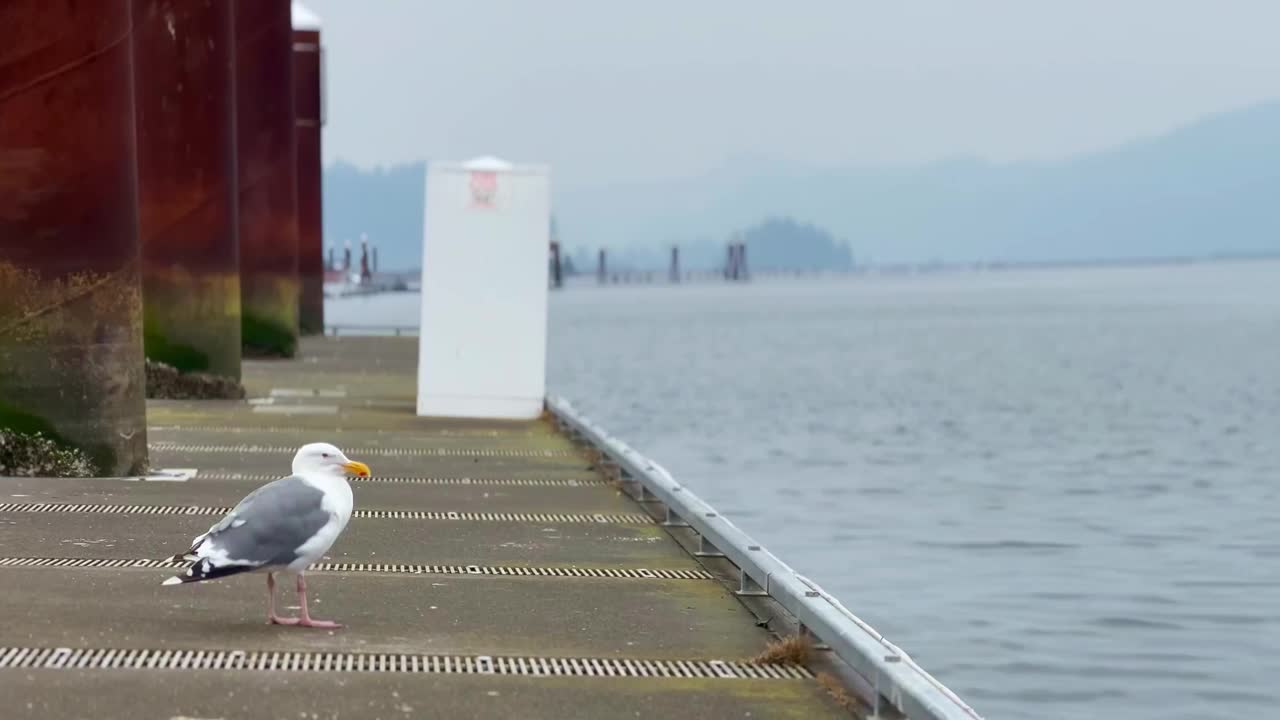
x=34 y=455
x=794 y=650
x=840 y=695
x=166 y=382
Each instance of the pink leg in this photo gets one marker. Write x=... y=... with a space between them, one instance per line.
x=306 y=616
x=272 y=618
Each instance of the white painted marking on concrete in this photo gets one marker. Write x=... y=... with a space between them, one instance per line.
x=166 y=475
x=297 y=409
x=307 y=392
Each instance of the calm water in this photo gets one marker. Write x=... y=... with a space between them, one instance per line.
x=1057 y=490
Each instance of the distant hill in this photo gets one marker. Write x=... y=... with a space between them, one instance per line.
x=782 y=243
x=1209 y=188
x=776 y=243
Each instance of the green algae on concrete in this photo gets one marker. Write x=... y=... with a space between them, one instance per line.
x=191 y=321
x=269 y=326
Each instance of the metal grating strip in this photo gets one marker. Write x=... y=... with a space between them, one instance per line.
x=111 y=509
x=526 y=482
x=381 y=568
x=371 y=452
x=251 y=429
x=545 y=518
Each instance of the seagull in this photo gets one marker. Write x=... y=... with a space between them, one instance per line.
x=283 y=526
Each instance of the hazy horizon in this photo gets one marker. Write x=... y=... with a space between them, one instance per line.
x=1205 y=190
x=756 y=160
x=612 y=94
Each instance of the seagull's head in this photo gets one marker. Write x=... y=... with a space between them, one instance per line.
x=325 y=458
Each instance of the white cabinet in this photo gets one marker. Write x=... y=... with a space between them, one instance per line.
x=483 y=339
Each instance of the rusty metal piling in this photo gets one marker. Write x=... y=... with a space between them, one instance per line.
x=70 y=292
x=267 y=176
x=309 y=118
x=184 y=97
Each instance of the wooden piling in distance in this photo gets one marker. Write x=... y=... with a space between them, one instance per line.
x=602 y=274
x=184 y=97
x=735 y=267
x=267 y=174
x=557 y=273
x=674 y=272
x=70 y=287
x=308 y=120
x=365 y=276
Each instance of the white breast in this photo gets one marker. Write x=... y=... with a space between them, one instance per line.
x=338 y=502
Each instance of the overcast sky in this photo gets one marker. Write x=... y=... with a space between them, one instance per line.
x=606 y=90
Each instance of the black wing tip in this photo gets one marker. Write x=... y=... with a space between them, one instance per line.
x=204 y=569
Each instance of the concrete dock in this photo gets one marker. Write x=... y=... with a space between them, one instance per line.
x=492 y=570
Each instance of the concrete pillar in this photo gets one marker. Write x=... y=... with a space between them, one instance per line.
x=267 y=174
x=184 y=96
x=308 y=120
x=70 y=291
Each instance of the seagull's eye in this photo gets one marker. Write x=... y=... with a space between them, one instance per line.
x=324 y=454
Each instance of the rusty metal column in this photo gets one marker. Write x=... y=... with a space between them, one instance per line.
x=184 y=94
x=70 y=293
x=307 y=123
x=267 y=174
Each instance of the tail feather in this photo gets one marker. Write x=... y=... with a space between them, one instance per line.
x=204 y=569
x=191 y=553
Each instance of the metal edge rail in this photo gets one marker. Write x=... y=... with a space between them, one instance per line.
x=893 y=675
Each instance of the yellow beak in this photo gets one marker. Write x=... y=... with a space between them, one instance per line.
x=358 y=469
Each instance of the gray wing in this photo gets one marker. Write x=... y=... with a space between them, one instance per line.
x=269 y=525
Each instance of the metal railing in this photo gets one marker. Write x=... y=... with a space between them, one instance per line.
x=894 y=678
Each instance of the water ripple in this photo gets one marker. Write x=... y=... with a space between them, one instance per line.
x=1056 y=489
x=997 y=545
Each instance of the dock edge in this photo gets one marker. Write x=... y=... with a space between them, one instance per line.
x=890 y=674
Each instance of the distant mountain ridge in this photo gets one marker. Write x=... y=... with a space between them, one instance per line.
x=1209 y=188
